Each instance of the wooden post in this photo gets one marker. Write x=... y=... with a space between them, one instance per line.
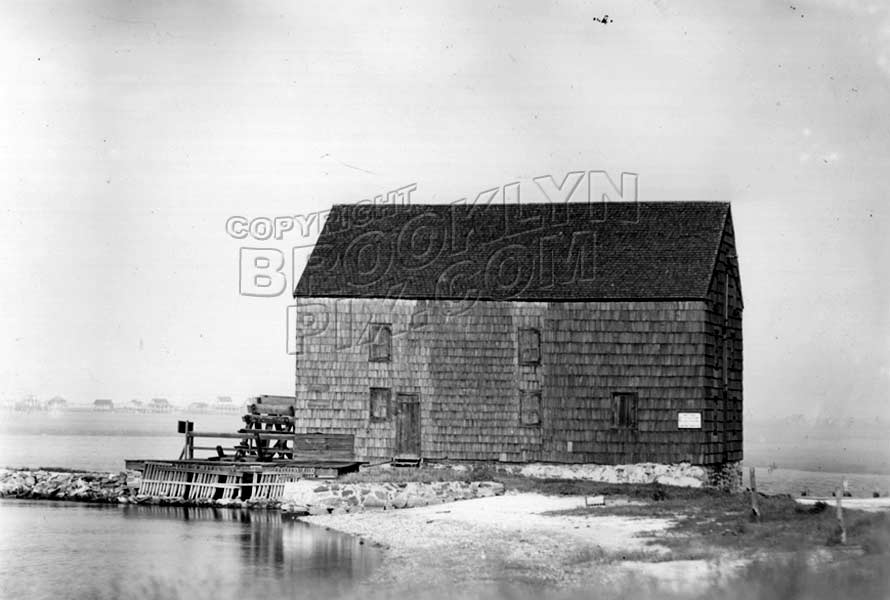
x=755 y=511
x=188 y=450
x=840 y=516
x=260 y=453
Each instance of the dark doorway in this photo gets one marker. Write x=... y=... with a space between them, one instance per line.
x=407 y=425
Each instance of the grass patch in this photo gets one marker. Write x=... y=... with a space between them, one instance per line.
x=714 y=518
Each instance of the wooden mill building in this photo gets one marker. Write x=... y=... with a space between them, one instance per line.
x=605 y=333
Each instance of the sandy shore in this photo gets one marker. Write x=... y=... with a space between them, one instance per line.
x=489 y=543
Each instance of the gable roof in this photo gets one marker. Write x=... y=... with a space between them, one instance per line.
x=520 y=252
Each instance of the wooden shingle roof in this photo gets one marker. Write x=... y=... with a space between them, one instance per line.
x=521 y=252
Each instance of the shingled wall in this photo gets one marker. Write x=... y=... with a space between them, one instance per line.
x=724 y=329
x=462 y=362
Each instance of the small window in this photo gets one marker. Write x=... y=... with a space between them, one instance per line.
x=380 y=347
x=380 y=403
x=529 y=347
x=624 y=410
x=530 y=408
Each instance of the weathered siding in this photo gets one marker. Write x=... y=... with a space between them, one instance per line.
x=463 y=363
x=724 y=353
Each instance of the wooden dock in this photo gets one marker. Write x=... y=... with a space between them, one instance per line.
x=266 y=455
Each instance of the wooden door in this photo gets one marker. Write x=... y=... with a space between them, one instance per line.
x=407 y=425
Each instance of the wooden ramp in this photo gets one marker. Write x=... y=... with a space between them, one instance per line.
x=194 y=480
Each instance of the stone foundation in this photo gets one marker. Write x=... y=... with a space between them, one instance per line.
x=727 y=476
x=317 y=497
x=682 y=474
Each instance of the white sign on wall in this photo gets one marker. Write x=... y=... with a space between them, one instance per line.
x=690 y=420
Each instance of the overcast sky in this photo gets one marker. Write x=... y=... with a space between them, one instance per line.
x=131 y=131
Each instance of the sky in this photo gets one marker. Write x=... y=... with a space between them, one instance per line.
x=132 y=131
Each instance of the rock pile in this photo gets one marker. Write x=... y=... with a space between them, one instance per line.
x=120 y=488
x=55 y=485
x=317 y=498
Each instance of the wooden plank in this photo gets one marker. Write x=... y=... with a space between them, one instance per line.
x=271 y=409
x=276 y=400
x=285 y=420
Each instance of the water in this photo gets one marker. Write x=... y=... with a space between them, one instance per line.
x=69 y=550
x=99 y=441
x=818 y=483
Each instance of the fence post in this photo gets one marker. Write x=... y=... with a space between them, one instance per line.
x=187 y=450
x=755 y=512
x=840 y=516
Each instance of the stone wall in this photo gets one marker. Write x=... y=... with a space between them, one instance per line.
x=727 y=476
x=316 y=497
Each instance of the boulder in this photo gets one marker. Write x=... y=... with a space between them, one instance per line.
x=373 y=501
x=414 y=501
x=295 y=509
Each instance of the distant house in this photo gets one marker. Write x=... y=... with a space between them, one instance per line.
x=198 y=407
x=606 y=333
x=226 y=405
x=28 y=404
x=103 y=405
x=160 y=405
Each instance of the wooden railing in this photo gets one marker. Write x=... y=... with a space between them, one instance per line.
x=269 y=435
x=260 y=443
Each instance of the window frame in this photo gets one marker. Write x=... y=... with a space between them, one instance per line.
x=524 y=350
x=387 y=404
x=629 y=415
x=374 y=344
x=524 y=396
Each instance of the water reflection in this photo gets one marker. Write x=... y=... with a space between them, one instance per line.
x=55 y=550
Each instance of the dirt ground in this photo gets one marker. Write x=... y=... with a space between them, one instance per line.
x=508 y=547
